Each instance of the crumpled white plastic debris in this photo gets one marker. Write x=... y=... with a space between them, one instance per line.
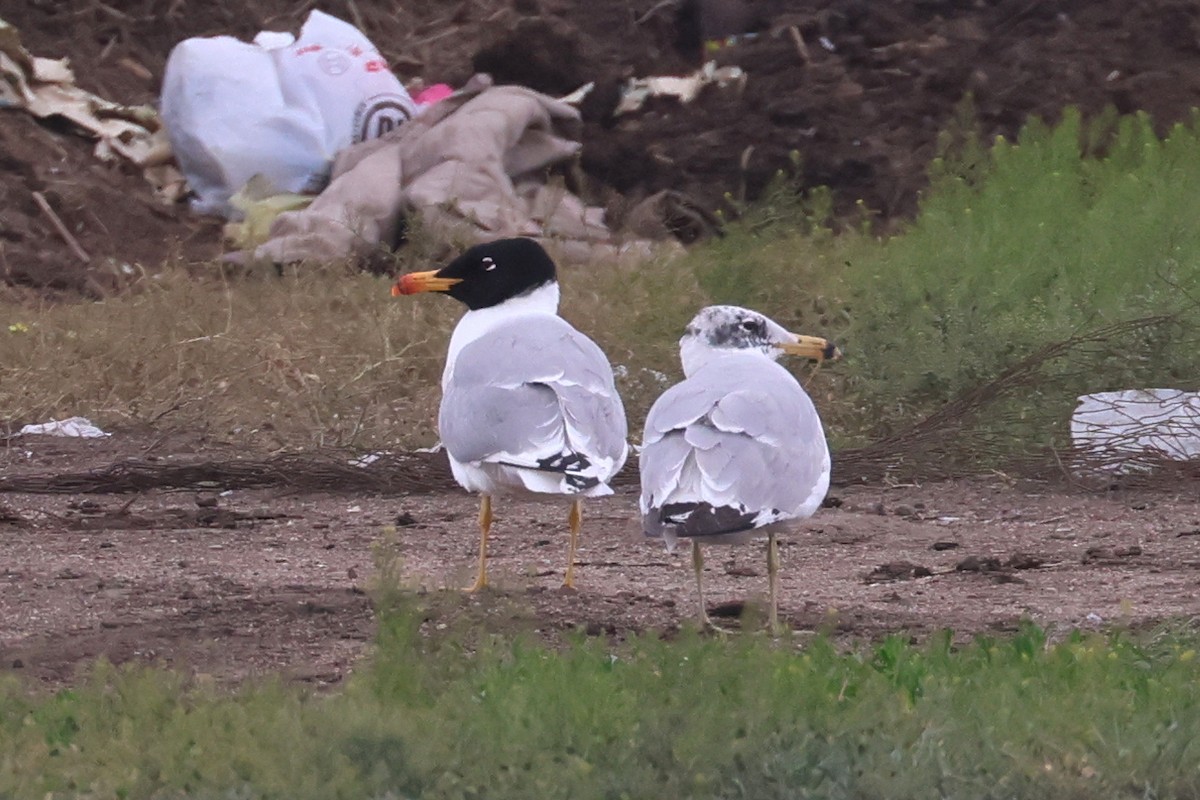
x=46 y=88
x=1118 y=428
x=76 y=427
x=636 y=92
x=365 y=460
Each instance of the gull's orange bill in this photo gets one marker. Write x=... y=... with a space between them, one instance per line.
x=417 y=282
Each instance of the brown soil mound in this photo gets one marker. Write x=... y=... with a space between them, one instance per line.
x=855 y=92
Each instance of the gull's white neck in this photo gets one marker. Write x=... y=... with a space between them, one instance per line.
x=695 y=353
x=474 y=324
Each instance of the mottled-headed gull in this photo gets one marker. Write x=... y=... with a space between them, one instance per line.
x=736 y=449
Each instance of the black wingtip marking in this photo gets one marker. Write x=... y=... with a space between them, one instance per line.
x=696 y=520
x=571 y=466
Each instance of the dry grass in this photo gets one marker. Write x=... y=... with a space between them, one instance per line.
x=318 y=357
x=323 y=357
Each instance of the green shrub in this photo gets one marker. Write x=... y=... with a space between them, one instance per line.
x=1046 y=244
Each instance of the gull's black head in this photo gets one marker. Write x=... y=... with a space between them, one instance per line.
x=487 y=274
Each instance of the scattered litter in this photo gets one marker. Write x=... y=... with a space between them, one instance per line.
x=76 y=427
x=432 y=94
x=685 y=89
x=281 y=106
x=576 y=97
x=45 y=87
x=366 y=460
x=1124 y=430
x=713 y=45
x=1094 y=618
x=259 y=203
x=474 y=167
x=437 y=448
x=827 y=44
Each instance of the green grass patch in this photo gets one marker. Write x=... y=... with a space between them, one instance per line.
x=1090 y=716
x=1018 y=245
x=1041 y=241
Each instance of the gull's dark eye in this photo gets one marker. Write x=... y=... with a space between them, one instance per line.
x=488 y=264
x=751 y=326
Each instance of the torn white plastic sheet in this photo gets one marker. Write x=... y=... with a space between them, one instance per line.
x=75 y=427
x=1124 y=430
x=685 y=89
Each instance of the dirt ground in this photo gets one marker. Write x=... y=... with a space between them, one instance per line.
x=844 y=93
x=230 y=584
x=856 y=91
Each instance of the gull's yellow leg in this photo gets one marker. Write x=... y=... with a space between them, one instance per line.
x=698 y=567
x=773 y=583
x=485 y=525
x=575 y=520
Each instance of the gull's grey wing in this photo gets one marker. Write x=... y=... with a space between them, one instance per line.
x=735 y=447
x=536 y=394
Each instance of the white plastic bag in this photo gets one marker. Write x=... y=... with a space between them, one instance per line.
x=1123 y=428
x=281 y=107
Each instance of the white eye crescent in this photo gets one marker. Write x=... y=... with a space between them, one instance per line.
x=488 y=264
